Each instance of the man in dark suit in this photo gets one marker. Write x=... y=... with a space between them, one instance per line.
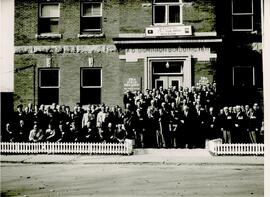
x=240 y=126
x=129 y=98
x=226 y=125
x=187 y=126
x=19 y=115
x=200 y=126
x=212 y=125
x=22 y=132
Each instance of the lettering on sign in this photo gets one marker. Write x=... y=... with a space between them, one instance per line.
x=202 y=53
x=167 y=50
x=132 y=84
x=203 y=81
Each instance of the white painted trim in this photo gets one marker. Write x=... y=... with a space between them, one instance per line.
x=173 y=60
x=48 y=35
x=149 y=69
x=7 y=45
x=142 y=35
x=217 y=40
x=167 y=5
x=243 y=14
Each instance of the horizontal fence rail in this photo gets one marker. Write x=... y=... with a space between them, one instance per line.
x=217 y=148
x=125 y=148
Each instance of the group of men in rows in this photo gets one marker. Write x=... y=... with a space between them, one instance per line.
x=158 y=118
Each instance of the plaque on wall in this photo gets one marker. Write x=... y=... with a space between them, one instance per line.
x=132 y=84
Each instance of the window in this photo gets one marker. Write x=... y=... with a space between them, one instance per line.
x=91 y=83
x=243 y=76
x=91 y=17
x=48 y=86
x=49 y=14
x=167 y=12
x=169 y=67
x=242 y=15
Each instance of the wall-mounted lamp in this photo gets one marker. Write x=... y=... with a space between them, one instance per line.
x=167 y=65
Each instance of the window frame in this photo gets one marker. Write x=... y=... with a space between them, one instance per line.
x=172 y=73
x=85 y=89
x=167 y=14
x=243 y=14
x=253 y=75
x=47 y=17
x=89 y=31
x=90 y=68
x=39 y=78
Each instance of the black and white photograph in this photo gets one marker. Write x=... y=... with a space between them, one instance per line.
x=134 y=98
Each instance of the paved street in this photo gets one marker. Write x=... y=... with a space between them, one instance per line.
x=131 y=180
x=149 y=172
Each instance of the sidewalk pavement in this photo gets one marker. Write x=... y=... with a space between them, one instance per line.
x=140 y=156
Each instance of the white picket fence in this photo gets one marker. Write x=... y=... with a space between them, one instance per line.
x=125 y=148
x=217 y=148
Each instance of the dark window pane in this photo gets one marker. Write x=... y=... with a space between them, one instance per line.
x=159 y=14
x=175 y=83
x=48 y=96
x=243 y=77
x=174 y=14
x=90 y=96
x=91 y=24
x=91 y=9
x=159 y=84
x=49 y=78
x=242 y=6
x=171 y=67
x=242 y=22
x=48 y=25
x=91 y=77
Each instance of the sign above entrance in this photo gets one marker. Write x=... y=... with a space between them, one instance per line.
x=168 y=31
x=132 y=84
x=202 y=54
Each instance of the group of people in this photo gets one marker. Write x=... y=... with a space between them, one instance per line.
x=157 y=118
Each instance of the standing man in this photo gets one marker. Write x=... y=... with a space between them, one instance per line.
x=200 y=126
x=187 y=126
x=226 y=125
x=240 y=126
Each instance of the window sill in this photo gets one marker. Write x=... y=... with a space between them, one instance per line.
x=89 y=35
x=48 y=36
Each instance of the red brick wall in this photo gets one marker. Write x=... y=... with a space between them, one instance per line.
x=203 y=69
x=26 y=23
x=129 y=16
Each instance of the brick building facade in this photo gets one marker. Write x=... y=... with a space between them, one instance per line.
x=92 y=51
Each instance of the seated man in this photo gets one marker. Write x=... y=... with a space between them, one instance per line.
x=9 y=135
x=64 y=133
x=50 y=134
x=90 y=133
x=120 y=134
x=36 y=134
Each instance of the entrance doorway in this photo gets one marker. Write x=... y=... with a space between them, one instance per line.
x=167 y=73
x=168 y=81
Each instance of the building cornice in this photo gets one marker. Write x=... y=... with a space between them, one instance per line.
x=131 y=39
x=65 y=49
